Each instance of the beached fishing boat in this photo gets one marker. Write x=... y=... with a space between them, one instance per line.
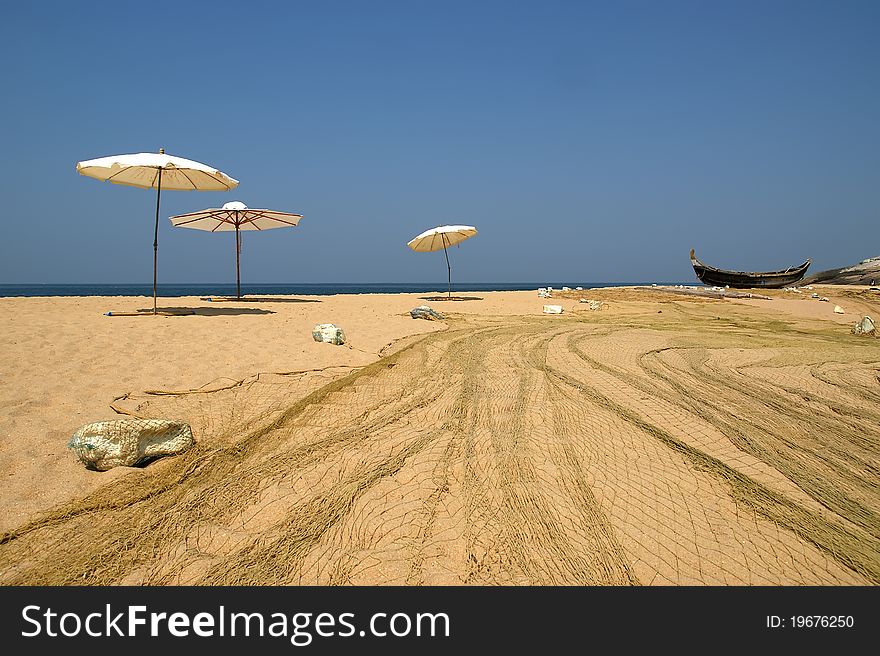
x=747 y=279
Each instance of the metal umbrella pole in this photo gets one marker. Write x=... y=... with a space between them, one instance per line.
x=448 y=270
x=156 y=235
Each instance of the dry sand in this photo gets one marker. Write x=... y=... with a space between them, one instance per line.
x=662 y=439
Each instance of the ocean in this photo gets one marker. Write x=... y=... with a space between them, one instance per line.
x=319 y=289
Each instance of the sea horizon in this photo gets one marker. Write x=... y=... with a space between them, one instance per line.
x=167 y=290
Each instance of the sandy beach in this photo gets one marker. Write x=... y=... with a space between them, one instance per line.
x=661 y=439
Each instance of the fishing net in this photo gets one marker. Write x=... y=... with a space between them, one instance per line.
x=695 y=446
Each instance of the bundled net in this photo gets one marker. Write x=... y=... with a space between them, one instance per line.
x=675 y=448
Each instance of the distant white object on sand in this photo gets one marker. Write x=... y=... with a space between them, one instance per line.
x=552 y=309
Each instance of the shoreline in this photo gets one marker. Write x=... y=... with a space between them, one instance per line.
x=298 y=289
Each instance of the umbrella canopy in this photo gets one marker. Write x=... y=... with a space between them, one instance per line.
x=442 y=237
x=156 y=171
x=143 y=170
x=235 y=216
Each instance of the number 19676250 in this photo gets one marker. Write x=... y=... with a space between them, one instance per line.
x=811 y=621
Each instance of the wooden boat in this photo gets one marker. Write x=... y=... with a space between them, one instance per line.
x=748 y=279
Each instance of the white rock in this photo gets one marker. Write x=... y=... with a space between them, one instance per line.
x=578 y=288
x=328 y=332
x=425 y=312
x=838 y=309
x=128 y=442
x=865 y=327
x=552 y=309
x=566 y=289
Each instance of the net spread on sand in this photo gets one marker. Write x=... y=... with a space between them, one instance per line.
x=675 y=448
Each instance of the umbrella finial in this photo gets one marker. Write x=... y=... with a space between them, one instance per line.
x=161 y=151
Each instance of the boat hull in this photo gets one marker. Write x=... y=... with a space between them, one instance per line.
x=748 y=279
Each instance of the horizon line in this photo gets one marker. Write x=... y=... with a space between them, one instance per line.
x=196 y=284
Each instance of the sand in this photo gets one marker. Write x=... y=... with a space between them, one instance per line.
x=659 y=440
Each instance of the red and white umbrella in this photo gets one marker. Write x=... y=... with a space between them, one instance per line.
x=235 y=216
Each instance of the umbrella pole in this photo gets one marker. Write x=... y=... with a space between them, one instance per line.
x=237 y=257
x=449 y=272
x=156 y=240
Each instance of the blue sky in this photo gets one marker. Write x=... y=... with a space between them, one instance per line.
x=587 y=141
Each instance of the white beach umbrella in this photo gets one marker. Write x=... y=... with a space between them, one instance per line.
x=235 y=216
x=442 y=237
x=156 y=171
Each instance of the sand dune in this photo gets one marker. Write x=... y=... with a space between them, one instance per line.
x=660 y=440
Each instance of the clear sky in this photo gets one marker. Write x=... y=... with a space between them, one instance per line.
x=587 y=141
